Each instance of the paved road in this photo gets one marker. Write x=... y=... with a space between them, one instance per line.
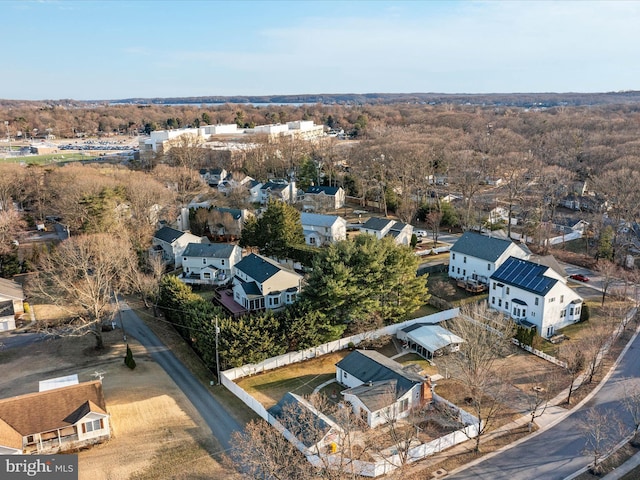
x=558 y=452
x=16 y=340
x=216 y=417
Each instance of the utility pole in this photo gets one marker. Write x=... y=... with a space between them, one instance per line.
x=217 y=356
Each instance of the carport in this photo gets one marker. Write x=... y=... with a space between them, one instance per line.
x=429 y=340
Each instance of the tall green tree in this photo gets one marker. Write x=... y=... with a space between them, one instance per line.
x=275 y=232
x=355 y=280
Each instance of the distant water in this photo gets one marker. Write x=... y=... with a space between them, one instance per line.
x=217 y=104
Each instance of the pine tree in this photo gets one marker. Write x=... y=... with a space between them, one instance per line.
x=128 y=359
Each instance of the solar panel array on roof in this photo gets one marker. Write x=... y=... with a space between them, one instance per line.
x=525 y=275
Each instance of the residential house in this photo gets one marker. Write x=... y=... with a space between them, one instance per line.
x=429 y=340
x=231 y=221
x=261 y=283
x=382 y=227
x=323 y=229
x=379 y=388
x=312 y=428
x=11 y=303
x=209 y=263
x=57 y=420
x=213 y=176
x=280 y=190
x=534 y=294
x=171 y=243
x=235 y=182
x=322 y=198
x=476 y=257
x=255 y=189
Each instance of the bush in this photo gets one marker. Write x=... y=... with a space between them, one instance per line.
x=128 y=359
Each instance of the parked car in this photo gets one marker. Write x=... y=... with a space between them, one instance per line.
x=579 y=277
x=420 y=233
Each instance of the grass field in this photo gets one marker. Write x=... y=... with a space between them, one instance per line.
x=48 y=159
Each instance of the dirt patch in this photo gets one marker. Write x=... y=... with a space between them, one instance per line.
x=157 y=433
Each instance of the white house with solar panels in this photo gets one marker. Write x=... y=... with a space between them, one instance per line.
x=534 y=294
x=476 y=257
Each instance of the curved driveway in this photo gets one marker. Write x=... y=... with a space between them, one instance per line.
x=559 y=451
x=216 y=417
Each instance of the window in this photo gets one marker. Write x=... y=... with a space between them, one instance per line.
x=206 y=275
x=453 y=256
x=561 y=298
x=453 y=269
x=91 y=426
x=345 y=375
x=464 y=273
x=552 y=299
x=458 y=270
x=30 y=439
x=571 y=312
x=494 y=285
x=489 y=266
x=499 y=302
x=464 y=260
x=222 y=262
x=404 y=405
x=184 y=259
x=507 y=290
x=493 y=300
x=536 y=300
x=506 y=305
x=204 y=261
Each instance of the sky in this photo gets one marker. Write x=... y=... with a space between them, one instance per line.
x=113 y=49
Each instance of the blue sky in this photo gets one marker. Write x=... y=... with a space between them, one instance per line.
x=84 y=50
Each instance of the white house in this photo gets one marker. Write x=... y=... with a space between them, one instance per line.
x=382 y=227
x=321 y=198
x=278 y=190
x=323 y=229
x=476 y=257
x=57 y=420
x=209 y=263
x=11 y=303
x=379 y=388
x=255 y=189
x=213 y=176
x=171 y=243
x=261 y=283
x=534 y=294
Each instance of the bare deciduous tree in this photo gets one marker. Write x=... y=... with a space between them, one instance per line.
x=80 y=275
x=487 y=338
x=603 y=430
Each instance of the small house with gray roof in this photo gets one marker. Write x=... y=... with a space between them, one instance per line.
x=11 y=303
x=171 y=243
x=321 y=230
x=379 y=388
x=385 y=227
x=209 y=263
x=476 y=257
x=319 y=198
x=534 y=295
x=260 y=283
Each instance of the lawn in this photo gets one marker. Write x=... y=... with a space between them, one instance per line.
x=48 y=159
x=414 y=358
x=300 y=378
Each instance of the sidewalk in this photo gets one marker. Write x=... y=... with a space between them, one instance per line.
x=623 y=469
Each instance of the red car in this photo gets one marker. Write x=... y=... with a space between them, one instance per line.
x=579 y=277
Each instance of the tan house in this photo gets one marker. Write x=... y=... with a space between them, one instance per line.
x=56 y=420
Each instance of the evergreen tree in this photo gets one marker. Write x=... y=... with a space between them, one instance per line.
x=275 y=232
x=128 y=359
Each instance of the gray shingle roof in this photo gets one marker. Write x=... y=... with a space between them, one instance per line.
x=526 y=275
x=258 y=267
x=11 y=289
x=210 y=250
x=375 y=223
x=371 y=366
x=317 y=219
x=481 y=246
x=168 y=234
x=321 y=189
x=375 y=396
x=234 y=212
